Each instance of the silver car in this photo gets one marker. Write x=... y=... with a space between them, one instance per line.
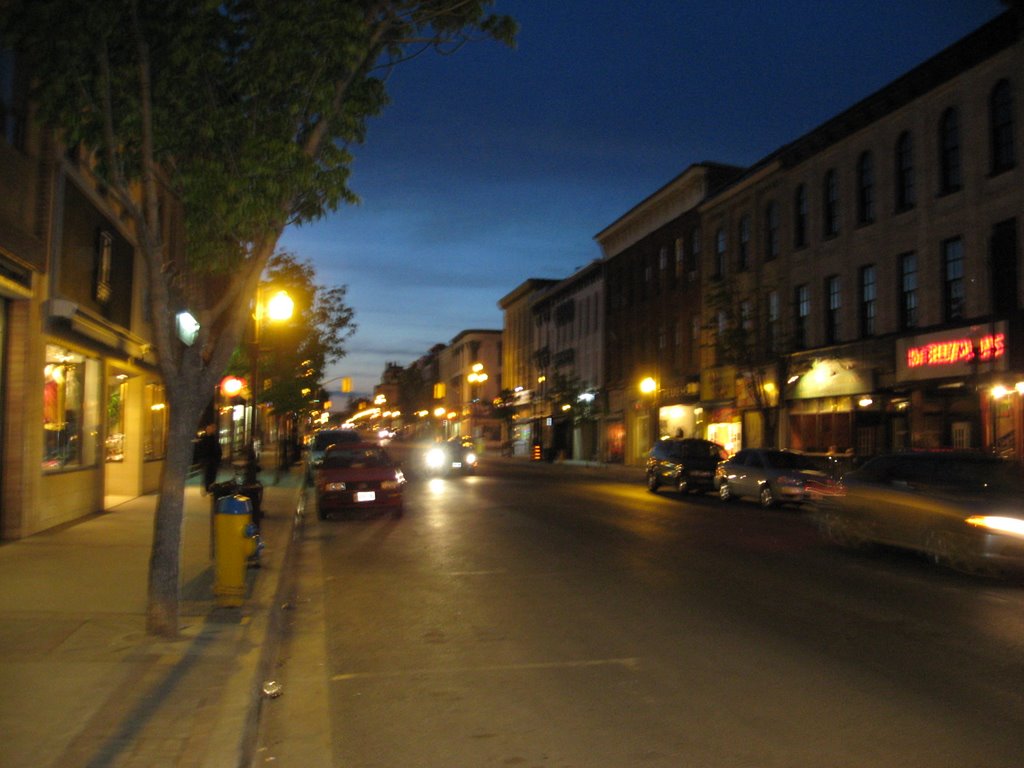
x=770 y=475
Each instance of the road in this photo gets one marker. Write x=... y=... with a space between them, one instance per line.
x=536 y=616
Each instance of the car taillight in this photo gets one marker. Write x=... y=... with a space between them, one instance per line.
x=334 y=486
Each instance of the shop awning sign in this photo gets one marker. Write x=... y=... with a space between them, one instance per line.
x=957 y=352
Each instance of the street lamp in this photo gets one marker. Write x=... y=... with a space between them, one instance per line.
x=277 y=308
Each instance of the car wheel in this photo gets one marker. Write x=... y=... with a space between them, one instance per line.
x=724 y=491
x=683 y=486
x=652 y=482
x=842 y=530
x=766 y=496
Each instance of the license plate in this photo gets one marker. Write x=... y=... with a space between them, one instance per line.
x=457 y=464
x=365 y=495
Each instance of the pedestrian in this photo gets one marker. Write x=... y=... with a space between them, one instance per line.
x=208 y=452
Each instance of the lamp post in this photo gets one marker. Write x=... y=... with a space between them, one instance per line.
x=278 y=307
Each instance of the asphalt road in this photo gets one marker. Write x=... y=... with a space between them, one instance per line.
x=530 y=616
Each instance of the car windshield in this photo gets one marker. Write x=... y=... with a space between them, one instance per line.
x=696 y=451
x=788 y=460
x=355 y=458
x=323 y=439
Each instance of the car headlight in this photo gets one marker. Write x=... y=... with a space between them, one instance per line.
x=435 y=458
x=471 y=458
x=334 y=486
x=390 y=485
x=1012 y=526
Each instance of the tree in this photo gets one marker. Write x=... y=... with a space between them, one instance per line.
x=240 y=113
x=293 y=354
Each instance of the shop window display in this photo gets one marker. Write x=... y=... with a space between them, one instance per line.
x=70 y=409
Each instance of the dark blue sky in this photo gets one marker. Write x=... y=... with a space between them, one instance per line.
x=492 y=165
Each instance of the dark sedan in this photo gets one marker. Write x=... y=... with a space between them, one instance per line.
x=684 y=464
x=771 y=476
x=964 y=510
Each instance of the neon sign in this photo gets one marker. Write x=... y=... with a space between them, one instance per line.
x=956 y=351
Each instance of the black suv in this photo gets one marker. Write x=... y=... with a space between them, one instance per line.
x=685 y=464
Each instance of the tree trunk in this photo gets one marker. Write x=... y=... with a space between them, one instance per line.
x=165 y=559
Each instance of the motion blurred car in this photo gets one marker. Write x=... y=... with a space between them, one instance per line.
x=454 y=455
x=323 y=439
x=358 y=477
x=963 y=510
x=771 y=476
x=684 y=464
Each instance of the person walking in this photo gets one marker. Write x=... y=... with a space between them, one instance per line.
x=209 y=455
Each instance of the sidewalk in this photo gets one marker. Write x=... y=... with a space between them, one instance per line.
x=81 y=684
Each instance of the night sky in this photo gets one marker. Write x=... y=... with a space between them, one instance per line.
x=495 y=165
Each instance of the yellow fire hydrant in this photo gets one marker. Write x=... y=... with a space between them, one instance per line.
x=236 y=540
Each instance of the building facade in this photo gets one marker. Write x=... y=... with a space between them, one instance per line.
x=84 y=415
x=873 y=266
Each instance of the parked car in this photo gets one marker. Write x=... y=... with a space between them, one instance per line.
x=683 y=463
x=323 y=439
x=964 y=510
x=770 y=475
x=358 y=476
x=457 y=454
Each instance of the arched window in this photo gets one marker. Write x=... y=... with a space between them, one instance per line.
x=865 y=188
x=949 y=152
x=1001 y=122
x=831 y=203
x=800 y=216
x=906 y=196
x=771 y=231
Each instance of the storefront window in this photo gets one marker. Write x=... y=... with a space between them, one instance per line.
x=70 y=409
x=155 y=438
x=116 y=398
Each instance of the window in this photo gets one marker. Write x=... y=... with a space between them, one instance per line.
x=954 y=290
x=743 y=257
x=800 y=217
x=747 y=316
x=832 y=291
x=12 y=101
x=694 y=252
x=771 y=231
x=905 y=192
x=908 y=290
x=663 y=258
x=802 y=305
x=868 y=296
x=949 y=152
x=71 y=420
x=831 y=203
x=680 y=257
x=720 y=247
x=1001 y=121
x=154 y=440
x=865 y=189
x=772 y=329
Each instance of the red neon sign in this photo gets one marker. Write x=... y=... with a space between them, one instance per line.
x=957 y=351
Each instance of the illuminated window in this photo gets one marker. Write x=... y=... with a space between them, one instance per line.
x=71 y=412
x=117 y=395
